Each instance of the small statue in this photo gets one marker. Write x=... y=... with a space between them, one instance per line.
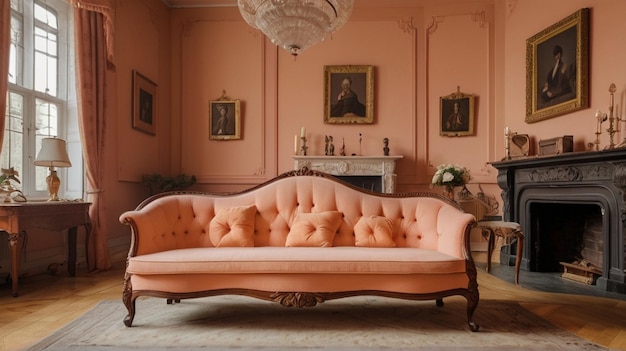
x=386 y=148
x=326 y=140
x=331 y=147
x=343 y=147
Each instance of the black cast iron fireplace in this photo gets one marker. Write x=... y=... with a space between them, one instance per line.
x=570 y=206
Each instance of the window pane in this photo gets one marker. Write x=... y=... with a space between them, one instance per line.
x=45 y=61
x=16 y=51
x=47 y=118
x=45 y=15
x=12 y=155
x=17 y=5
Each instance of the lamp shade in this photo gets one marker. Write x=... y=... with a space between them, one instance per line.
x=53 y=153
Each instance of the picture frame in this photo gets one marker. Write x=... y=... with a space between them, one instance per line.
x=456 y=114
x=225 y=118
x=556 y=89
x=144 y=103
x=354 y=103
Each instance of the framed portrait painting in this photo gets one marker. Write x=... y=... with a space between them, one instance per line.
x=557 y=68
x=457 y=114
x=224 y=119
x=348 y=94
x=144 y=104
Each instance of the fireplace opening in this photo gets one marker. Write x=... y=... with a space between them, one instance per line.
x=372 y=183
x=571 y=233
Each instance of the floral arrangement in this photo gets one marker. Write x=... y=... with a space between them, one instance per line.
x=450 y=175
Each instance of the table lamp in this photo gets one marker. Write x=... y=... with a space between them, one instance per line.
x=53 y=154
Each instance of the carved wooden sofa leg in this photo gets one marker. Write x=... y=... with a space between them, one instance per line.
x=129 y=301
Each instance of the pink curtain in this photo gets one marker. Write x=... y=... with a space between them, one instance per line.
x=94 y=56
x=5 y=45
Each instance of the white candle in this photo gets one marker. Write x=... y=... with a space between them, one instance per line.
x=303 y=132
x=295 y=143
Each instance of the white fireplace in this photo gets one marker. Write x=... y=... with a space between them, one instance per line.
x=346 y=167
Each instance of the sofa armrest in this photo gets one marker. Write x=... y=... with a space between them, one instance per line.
x=454 y=229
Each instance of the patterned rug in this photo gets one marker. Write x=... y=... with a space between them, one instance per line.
x=357 y=323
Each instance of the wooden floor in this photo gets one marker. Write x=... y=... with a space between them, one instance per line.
x=48 y=302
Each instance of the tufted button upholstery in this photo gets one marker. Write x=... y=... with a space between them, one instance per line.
x=417 y=221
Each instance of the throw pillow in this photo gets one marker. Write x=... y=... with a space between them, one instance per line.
x=374 y=231
x=314 y=229
x=233 y=226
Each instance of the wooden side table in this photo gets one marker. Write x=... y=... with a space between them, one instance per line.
x=17 y=218
x=507 y=230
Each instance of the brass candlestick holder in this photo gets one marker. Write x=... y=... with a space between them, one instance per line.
x=612 y=118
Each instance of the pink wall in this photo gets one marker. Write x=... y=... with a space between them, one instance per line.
x=420 y=53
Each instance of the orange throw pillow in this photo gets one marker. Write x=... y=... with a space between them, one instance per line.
x=233 y=227
x=374 y=231
x=314 y=229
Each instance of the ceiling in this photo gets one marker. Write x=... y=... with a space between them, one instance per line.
x=360 y=3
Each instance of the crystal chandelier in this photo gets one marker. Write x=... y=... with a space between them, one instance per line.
x=295 y=25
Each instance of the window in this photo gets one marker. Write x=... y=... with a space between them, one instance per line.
x=40 y=81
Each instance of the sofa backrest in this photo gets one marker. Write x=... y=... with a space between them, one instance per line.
x=422 y=220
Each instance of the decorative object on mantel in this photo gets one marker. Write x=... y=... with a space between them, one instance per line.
x=556 y=146
x=601 y=118
x=295 y=25
x=450 y=176
x=612 y=119
x=515 y=145
x=386 y=148
x=303 y=146
x=329 y=149
x=343 y=147
x=7 y=190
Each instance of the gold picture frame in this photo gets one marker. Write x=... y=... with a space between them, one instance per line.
x=456 y=114
x=225 y=118
x=557 y=89
x=144 y=103
x=348 y=94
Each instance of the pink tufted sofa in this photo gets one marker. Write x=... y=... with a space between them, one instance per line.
x=279 y=241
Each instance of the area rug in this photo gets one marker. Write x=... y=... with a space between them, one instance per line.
x=356 y=323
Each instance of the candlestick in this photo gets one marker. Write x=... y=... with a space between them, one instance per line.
x=295 y=143
x=507 y=151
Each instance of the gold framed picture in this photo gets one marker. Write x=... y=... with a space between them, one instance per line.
x=457 y=114
x=348 y=94
x=557 y=68
x=224 y=119
x=144 y=104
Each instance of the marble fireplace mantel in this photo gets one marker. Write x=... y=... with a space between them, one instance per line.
x=382 y=166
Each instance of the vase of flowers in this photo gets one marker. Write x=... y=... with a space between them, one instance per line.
x=450 y=176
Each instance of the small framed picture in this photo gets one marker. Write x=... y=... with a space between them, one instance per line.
x=224 y=119
x=348 y=94
x=457 y=114
x=144 y=104
x=557 y=73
